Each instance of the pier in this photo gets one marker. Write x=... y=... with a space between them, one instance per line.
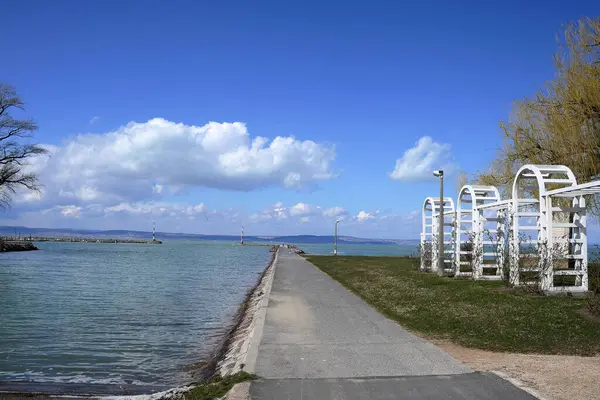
x=316 y=340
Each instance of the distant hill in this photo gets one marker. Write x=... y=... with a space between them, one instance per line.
x=54 y=232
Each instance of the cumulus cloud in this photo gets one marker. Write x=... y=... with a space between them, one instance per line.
x=151 y=210
x=313 y=219
x=419 y=161
x=276 y=219
x=142 y=161
x=301 y=209
x=275 y=212
x=69 y=211
x=364 y=216
x=300 y=212
x=335 y=212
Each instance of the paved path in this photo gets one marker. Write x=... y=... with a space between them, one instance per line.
x=318 y=338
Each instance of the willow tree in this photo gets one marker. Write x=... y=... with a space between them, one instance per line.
x=16 y=149
x=561 y=123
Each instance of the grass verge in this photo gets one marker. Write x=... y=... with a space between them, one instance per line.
x=477 y=314
x=217 y=387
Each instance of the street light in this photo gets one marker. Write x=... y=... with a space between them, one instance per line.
x=335 y=238
x=440 y=174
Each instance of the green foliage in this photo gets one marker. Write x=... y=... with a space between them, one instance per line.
x=594 y=278
x=593 y=303
x=561 y=123
x=477 y=314
x=218 y=386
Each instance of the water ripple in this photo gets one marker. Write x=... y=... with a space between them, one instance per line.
x=116 y=313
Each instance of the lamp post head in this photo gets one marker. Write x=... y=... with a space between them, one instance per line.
x=438 y=173
x=337 y=221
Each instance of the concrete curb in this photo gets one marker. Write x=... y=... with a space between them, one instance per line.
x=520 y=385
x=258 y=322
x=240 y=391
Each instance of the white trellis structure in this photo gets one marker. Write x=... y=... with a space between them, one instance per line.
x=473 y=236
x=541 y=229
x=430 y=232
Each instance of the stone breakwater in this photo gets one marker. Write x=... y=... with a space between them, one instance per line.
x=240 y=353
x=17 y=246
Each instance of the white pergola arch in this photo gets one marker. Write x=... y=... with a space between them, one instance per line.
x=428 y=226
x=471 y=223
x=429 y=232
x=544 y=222
x=545 y=234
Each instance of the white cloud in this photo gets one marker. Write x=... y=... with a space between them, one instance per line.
x=364 y=216
x=275 y=212
x=67 y=211
x=419 y=162
x=279 y=211
x=276 y=219
x=301 y=209
x=157 y=189
x=94 y=119
x=299 y=212
x=259 y=217
x=157 y=209
x=143 y=161
x=335 y=212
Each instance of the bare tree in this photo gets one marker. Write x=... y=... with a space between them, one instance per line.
x=15 y=150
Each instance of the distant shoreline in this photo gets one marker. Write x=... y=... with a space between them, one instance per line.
x=25 y=232
x=31 y=239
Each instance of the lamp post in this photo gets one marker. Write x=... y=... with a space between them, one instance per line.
x=335 y=238
x=440 y=174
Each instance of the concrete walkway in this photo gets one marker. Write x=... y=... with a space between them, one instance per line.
x=318 y=338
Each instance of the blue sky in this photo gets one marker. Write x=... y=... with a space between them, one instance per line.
x=123 y=92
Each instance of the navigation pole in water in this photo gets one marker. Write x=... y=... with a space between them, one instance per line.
x=242 y=235
x=154 y=231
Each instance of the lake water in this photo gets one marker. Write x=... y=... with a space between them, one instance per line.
x=126 y=314
x=352 y=249
x=119 y=313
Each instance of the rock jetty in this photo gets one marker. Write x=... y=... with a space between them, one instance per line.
x=16 y=246
x=295 y=249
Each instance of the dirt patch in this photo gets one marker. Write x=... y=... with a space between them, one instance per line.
x=585 y=313
x=553 y=376
x=504 y=288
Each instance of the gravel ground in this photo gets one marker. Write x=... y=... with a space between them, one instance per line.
x=554 y=376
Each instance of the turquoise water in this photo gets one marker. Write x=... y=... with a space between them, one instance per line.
x=119 y=313
x=351 y=249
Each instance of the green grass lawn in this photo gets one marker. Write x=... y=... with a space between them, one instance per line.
x=217 y=387
x=477 y=314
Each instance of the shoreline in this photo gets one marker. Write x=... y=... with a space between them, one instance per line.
x=92 y=240
x=227 y=357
